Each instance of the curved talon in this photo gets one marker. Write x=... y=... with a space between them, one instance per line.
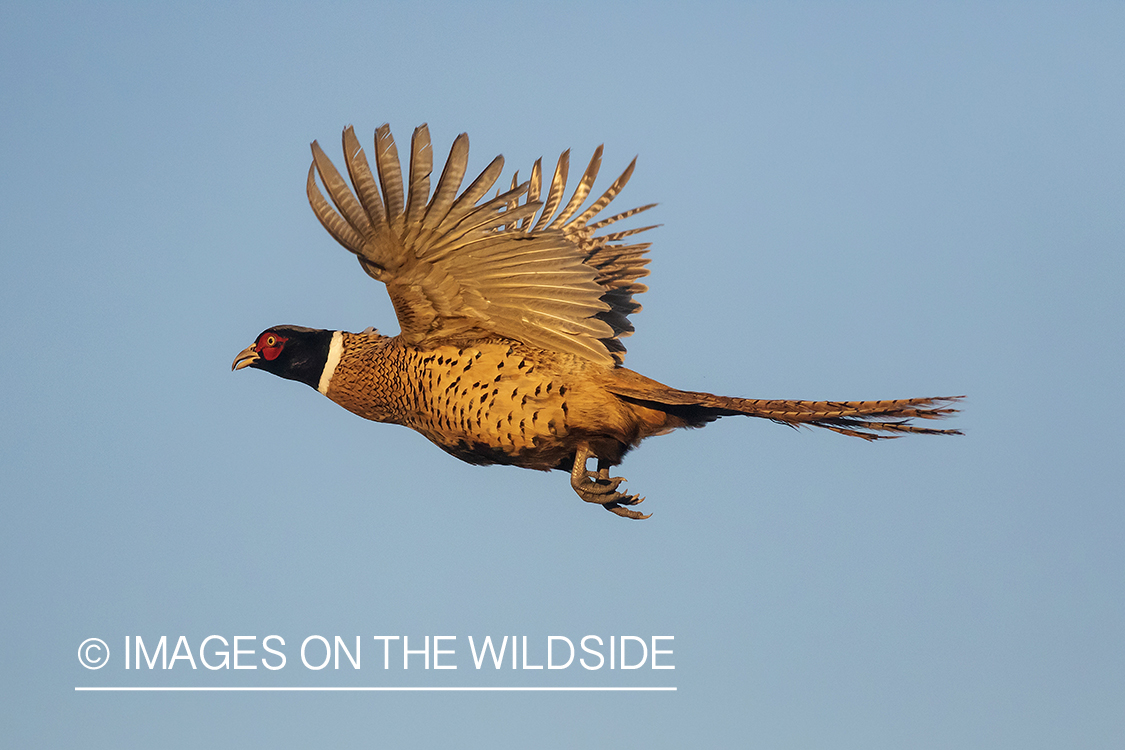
x=604 y=498
x=636 y=515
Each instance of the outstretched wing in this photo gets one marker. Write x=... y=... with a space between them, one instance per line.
x=459 y=265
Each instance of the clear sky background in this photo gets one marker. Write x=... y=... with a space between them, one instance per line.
x=872 y=201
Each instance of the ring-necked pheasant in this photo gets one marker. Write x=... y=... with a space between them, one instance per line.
x=512 y=313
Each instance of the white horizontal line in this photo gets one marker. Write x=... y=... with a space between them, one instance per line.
x=370 y=689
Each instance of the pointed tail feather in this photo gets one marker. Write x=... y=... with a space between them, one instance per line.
x=870 y=420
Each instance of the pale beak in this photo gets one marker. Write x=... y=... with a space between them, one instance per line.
x=245 y=358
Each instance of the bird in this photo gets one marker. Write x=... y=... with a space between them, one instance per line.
x=511 y=311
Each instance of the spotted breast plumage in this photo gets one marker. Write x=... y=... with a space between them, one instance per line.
x=511 y=311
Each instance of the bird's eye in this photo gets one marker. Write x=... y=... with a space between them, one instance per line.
x=271 y=341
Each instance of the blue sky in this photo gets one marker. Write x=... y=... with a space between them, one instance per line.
x=871 y=201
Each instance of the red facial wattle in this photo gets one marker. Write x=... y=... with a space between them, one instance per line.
x=270 y=345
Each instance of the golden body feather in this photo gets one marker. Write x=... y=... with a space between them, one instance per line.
x=493 y=401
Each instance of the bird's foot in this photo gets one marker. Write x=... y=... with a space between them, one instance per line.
x=607 y=497
x=599 y=487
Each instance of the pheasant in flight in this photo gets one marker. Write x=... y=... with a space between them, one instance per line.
x=511 y=312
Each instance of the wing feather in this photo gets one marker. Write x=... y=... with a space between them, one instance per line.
x=448 y=183
x=464 y=265
x=421 y=166
x=581 y=191
x=534 y=185
x=332 y=221
x=479 y=217
x=615 y=236
x=360 y=173
x=608 y=196
x=620 y=216
x=555 y=194
x=474 y=192
x=390 y=172
x=340 y=194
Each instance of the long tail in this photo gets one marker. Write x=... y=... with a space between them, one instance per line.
x=870 y=420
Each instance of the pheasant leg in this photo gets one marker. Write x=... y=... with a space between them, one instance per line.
x=599 y=487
